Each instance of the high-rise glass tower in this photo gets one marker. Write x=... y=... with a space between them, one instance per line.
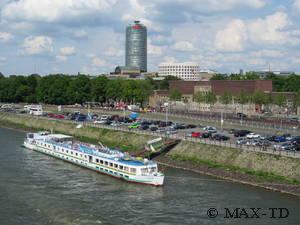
x=136 y=46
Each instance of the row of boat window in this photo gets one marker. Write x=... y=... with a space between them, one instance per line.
x=99 y=168
x=102 y=162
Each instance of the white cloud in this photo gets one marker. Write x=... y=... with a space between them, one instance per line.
x=111 y=51
x=98 y=62
x=2 y=59
x=233 y=37
x=80 y=34
x=36 y=45
x=53 y=10
x=61 y=58
x=270 y=30
x=183 y=46
x=297 y=4
x=67 y=51
x=169 y=59
x=268 y=53
x=154 y=49
x=5 y=37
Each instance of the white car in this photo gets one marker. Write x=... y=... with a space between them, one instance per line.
x=210 y=129
x=104 y=117
x=252 y=136
x=100 y=121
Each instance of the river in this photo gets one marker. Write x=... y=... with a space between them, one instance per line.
x=36 y=189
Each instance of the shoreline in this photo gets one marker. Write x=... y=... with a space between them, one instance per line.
x=205 y=170
x=282 y=186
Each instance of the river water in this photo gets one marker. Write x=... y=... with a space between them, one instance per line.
x=36 y=189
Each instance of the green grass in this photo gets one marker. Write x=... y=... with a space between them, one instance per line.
x=261 y=175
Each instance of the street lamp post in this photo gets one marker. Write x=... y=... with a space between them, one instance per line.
x=166 y=104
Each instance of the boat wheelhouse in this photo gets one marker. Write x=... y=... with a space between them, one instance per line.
x=96 y=157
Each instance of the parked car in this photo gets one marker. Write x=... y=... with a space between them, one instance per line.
x=271 y=138
x=241 y=115
x=210 y=129
x=241 y=141
x=241 y=133
x=279 y=139
x=115 y=124
x=144 y=127
x=135 y=125
x=253 y=142
x=196 y=134
x=190 y=126
x=284 y=147
x=288 y=137
x=98 y=121
x=294 y=119
x=252 y=136
x=220 y=137
x=104 y=117
x=206 y=135
x=153 y=128
x=81 y=118
x=178 y=126
x=59 y=116
x=264 y=143
x=171 y=131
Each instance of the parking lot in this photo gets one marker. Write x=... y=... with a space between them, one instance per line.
x=196 y=132
x=245 y=139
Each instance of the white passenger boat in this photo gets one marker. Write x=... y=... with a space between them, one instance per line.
x=99 y=158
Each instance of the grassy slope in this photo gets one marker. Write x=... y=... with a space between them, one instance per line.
x=258 y=164
x=124 y=141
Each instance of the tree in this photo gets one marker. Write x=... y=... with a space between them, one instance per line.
x=1 y=75
x=98 y=89
x=280 y=100
x=79 y=90
x=243 y=98
x=199 y=97
x=164 y=84
x=226 y=98
x=219 y=77
x=114 y=90
x=259 y=98
x=175 y=95
x=297 y=99
x=251 y=76
x=210 y=98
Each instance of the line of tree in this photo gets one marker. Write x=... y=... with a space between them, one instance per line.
x=290 y=83
x=65 y=89
x=258 y=97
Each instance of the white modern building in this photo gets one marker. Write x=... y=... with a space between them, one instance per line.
x=184 y=71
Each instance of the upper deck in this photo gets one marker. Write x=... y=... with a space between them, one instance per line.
x=67 y=142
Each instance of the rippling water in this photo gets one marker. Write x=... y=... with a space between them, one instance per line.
x=36 y=189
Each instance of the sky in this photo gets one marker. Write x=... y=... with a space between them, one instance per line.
x=88 y=36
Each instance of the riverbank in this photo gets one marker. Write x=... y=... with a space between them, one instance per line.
x=279 y=173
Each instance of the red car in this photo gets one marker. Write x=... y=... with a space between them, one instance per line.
x=58 y=116
x=196 y=134
x=51 y=115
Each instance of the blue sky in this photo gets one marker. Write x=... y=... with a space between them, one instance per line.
x=87 y=36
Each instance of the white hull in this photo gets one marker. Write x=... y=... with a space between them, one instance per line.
x=142 y=179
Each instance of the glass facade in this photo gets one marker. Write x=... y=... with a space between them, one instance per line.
x=136 y=46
